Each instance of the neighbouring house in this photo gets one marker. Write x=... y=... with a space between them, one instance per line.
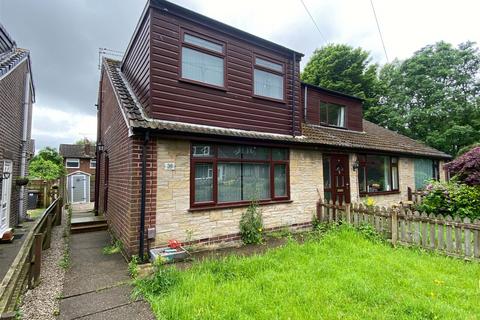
x=17 y=96
x=199 y=118
x=80 y=163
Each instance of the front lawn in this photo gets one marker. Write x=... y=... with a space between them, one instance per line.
x=342 y=275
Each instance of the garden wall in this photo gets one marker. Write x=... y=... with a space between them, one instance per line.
x=175 y=221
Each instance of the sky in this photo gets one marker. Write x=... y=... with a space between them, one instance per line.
x=64 y=37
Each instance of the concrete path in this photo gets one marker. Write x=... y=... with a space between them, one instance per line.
x=97 y=286
x=9 y=250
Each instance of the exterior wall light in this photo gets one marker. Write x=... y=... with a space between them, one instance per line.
x=356 y=165
x=4 y=176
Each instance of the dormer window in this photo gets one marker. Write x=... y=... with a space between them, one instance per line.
x=332 y=114
x=268 y=79
x=203 y=61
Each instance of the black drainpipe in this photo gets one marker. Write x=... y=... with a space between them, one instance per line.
x=142 y=196
x=293 y=94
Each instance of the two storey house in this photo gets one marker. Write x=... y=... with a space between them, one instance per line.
x=17 y=95
x=200 y=118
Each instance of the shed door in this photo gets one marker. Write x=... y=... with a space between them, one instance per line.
x=5 y=197
x=79 y=188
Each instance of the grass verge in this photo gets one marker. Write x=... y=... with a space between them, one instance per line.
x=345 y=274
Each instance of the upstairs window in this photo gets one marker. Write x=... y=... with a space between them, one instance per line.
x=72 y=163
x=332 y=114
x=268 y=79
x=203 y=61
x=93 y=163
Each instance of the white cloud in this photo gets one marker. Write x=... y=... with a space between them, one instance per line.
x=52 y=126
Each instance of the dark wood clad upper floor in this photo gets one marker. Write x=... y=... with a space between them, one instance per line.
x=164 y=38
x=314 y=99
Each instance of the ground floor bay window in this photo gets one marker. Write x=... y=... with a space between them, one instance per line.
x=377 y=174
x=236 y=174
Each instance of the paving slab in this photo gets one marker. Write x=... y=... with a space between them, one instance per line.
x=133 y=311
x=97 y=286
x=88 y=303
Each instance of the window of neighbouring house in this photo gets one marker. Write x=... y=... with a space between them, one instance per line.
x=226 y=174
x=332 y=114
x=93 y=163
x=377 y=173
x=72 y=163
x=425 y=170
x=203 y=60
x=268 y=79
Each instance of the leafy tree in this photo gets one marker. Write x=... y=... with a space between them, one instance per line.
x=467 y=167
x=85 y=141
x=434 y=96
x=47 y=165
x=346 y=69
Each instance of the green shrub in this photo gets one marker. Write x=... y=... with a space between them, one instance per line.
x=451 y=198
x=251 y=225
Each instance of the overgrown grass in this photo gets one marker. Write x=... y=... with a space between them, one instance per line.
x=343 y=275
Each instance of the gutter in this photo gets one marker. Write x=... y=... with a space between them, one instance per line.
x=142 y=195
x=23 y=159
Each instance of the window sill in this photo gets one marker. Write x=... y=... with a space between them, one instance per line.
x=380 y=193
x=269 y=99
x=202 y=84
x=236 y=205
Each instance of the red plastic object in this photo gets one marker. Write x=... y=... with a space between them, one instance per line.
x=174 y=244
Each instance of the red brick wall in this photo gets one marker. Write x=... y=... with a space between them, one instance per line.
x=124 y=187
x=12 y=89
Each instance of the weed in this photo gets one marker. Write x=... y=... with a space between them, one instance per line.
x=65 y=261
x=115 y=247
x=251 y=225
x=133 y=267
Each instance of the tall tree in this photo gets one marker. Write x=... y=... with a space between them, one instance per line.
x=434 y=96
x=346 y=69
x=47 y=165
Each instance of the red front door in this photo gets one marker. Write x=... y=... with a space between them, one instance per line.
x=336 y=178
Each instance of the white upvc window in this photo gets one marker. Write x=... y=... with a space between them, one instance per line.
x=93 y=163
x=72 y=163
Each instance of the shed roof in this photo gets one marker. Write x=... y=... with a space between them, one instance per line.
x=373 y=138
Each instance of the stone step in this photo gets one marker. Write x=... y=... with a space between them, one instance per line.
x=91 y=227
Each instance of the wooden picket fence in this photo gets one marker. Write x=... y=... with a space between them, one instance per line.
x=453 y=236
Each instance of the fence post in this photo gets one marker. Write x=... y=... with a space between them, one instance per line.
x=347 y=211
x=394 y=215
x=48 y=232
x=37 y=264
x=58 y=212
x=320 y=210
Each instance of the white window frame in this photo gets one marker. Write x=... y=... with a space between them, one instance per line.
x=71 y=160
x=95 y=160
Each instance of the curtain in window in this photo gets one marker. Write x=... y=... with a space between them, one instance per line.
x=229 y=182
x=202 y=67
x=268 y=84
x=341 y=117
x=203 y=182
x=280 y=180
x=423 y=172
x=256 y=181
